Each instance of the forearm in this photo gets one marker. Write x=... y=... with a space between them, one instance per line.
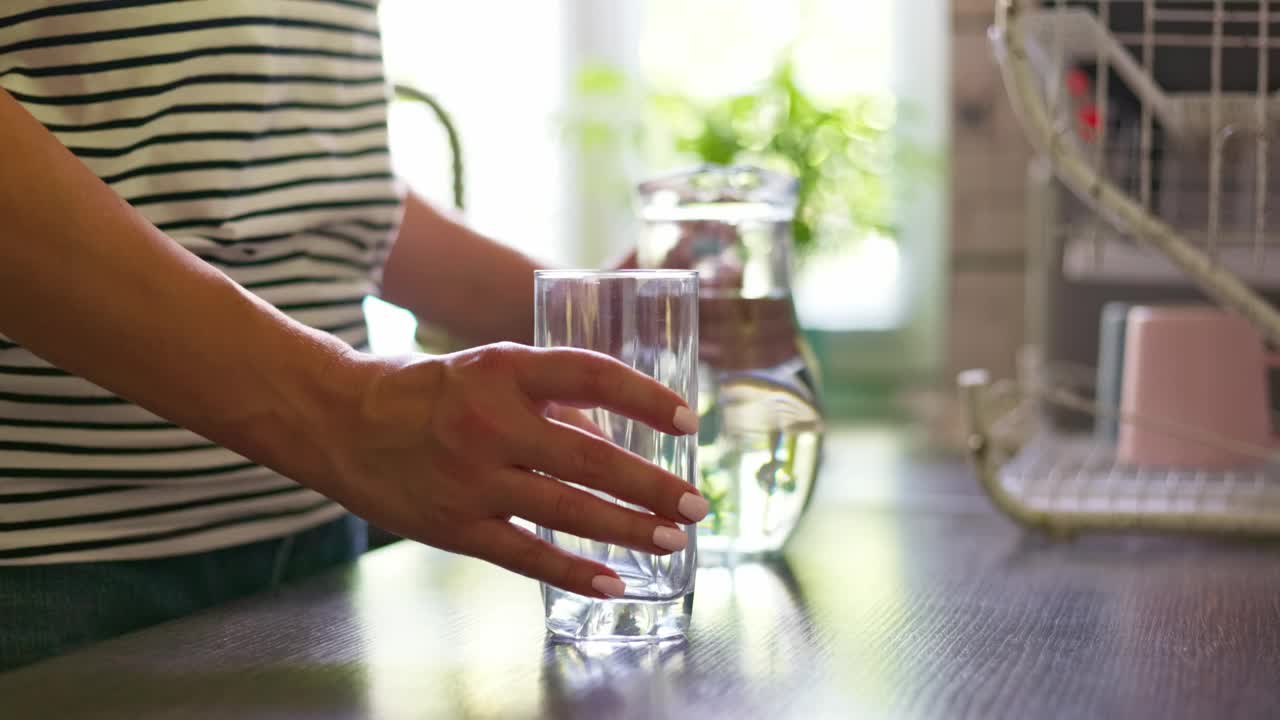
x=475 y=288
x=87 y=283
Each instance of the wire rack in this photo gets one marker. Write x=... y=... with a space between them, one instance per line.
x=1066 y=483
x=1177 y=111
x=1159 y=115
x=1200 y=158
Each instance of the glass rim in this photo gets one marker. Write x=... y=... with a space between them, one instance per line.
x=654 y=274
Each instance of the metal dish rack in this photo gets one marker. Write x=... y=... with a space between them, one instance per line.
x=1186 y=173
x=1065 y=483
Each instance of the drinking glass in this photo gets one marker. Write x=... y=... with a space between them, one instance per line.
x=648 y=319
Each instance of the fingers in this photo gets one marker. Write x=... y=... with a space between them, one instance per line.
x=578 y=457
x=519 y=550
x=574 y=418
x=553 y=504
x=587 y=379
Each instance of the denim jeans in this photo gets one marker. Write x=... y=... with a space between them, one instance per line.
x=46 y=610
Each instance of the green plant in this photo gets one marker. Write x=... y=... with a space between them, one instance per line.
x=841 y=153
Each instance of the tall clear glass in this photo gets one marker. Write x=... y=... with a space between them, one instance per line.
x=648 y=319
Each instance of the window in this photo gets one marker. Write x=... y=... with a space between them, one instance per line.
x=506 y=71
x=839 y=49
x=873 y=305
x=497 y=67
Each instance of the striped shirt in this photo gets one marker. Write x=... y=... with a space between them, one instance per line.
x=254 y=133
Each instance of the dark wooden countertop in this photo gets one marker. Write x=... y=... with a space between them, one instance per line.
x=903 y=595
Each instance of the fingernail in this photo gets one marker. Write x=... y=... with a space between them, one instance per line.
x=693 y=507
x=685 y=420
x=611 y=586
x=669 y=538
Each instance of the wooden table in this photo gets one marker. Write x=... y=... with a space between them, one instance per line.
x=904 y=596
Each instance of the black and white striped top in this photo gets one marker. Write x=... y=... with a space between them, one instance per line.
x=254 y=133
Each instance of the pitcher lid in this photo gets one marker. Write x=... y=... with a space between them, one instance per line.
x=712 y=183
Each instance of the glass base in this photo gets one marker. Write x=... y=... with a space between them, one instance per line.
x=574 y=617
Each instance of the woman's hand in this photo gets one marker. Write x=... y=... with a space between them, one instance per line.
x=445 y=450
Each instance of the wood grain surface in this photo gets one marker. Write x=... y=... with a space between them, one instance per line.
x=890 y=608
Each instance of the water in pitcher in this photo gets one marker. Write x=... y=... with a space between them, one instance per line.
x=761 y=426
x=758 y=455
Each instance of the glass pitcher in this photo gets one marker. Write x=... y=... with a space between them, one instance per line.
x=761 y=425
